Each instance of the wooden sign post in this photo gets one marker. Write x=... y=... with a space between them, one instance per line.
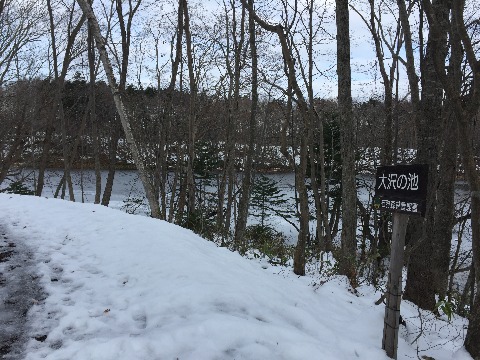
x=402 y=190
x=394 y=286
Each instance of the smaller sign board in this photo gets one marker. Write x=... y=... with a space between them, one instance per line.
x=401 y=188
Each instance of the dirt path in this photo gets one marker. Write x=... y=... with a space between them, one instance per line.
x=19 y=290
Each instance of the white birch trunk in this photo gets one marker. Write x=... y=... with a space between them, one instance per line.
x=139 y=163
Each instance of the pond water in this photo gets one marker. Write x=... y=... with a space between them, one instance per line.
x=127 y=186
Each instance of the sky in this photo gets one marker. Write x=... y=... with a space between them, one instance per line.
x=155 y=22
x=157 y=19
x=120 y=287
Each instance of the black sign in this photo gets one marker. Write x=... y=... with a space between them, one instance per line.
x=401 y=188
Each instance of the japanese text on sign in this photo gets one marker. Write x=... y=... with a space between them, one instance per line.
x=399 y=205
x=394 y=181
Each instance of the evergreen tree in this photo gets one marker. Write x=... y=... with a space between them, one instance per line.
x=207 y=162
x=17 y=187
x=332 y=148
x=205 y=166
x=267 y=199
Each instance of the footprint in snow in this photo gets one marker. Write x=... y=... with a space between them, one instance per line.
x=140 y=318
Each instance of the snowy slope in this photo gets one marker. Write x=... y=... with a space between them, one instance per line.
x=122 y=286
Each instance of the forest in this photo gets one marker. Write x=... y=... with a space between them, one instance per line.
x=203 y=99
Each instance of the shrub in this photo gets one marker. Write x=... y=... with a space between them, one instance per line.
x=18 y=187
x=270 y=243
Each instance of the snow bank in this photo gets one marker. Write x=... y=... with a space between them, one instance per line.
x=129 y=287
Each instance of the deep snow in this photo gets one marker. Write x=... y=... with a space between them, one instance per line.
x=121 y=286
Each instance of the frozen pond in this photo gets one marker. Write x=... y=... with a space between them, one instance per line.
x=128 y=185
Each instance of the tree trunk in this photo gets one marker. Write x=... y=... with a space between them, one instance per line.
x=473 y=333
x=231 y=198
x=301 y=169
x=47 y=146
x=228 y=173
x=465 y=111
x=375 y=27
x=125 y=32
x=347 y=138
x=317 y=167
x=165 y=125
x=112 y=160
x=142 y=170
x=192 y=117
x=444 y=214
x=93 y=119
x=58 y=105
x=247 y=183
x=303 y=235
x=16 y=147
x=66 y=152
x=420 y=286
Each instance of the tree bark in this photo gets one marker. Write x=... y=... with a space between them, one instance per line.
x=444 y=214
x=420 y=285
x=247 y=183
x=112 y=160
x=192 y=117
x=347 y=138
x=465 y=107
x=228 y=172
x=319 y=188
x=165 y=126
x=93 y=118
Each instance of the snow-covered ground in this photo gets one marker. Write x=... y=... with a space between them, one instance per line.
x=121 y=286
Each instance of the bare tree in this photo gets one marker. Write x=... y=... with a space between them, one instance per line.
x=466 y=106
x=248 y=168
x=139 y=161
x=347 y=139
x=318 y=182
x=93 y=119
x=125 y=22
x=235 y=39
x=15 y=125
x=73 y=28
x=282 y=33
x=72 y=31
x=427 y=111
x=192 y=115
x=165 y=119
x=21 y=25
x=393 y=45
